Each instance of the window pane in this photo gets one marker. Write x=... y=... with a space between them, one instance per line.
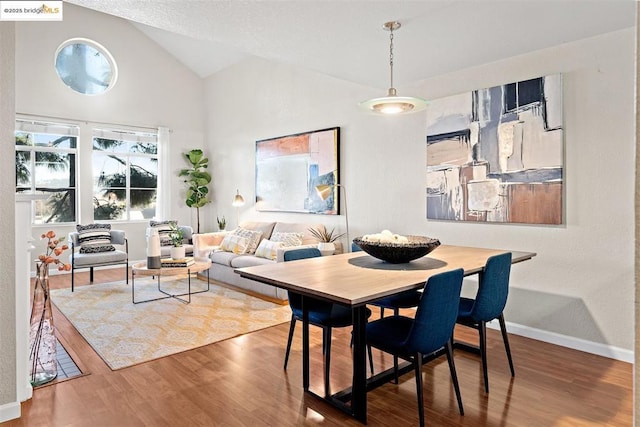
x=145 y=148
x=108 y=206
x=59 y=207
x=23 y=166
x=110 y=145
x=49 y=140
x=144 y=172
x=143 y=204
x=109 y=171
x=54 y=170
x=23 y=138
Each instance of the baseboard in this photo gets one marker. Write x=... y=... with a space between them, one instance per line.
x=600 y=349
x=9 y=411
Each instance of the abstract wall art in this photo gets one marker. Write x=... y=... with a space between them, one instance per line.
x=288 y=169
x=497 y=154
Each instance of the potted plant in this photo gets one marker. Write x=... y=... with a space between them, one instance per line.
x=222 y=223
x=177 y=249
x=197 y=180
x=326 y=239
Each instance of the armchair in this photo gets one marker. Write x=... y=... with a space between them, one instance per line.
x=98 y=259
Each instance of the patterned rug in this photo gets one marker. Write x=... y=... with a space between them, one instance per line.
x=125 y=334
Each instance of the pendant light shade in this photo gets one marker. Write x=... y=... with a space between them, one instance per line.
x=392 y=103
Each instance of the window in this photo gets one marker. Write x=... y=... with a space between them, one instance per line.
x=86 y=66
x=125 y=174
x=46 y=164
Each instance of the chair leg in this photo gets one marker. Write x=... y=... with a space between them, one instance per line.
x=126 y=274
x=454 y=375
x=326 y=332
x=482 y=329
x=370 y=359
x=91 y=274
x=505 y=339
x=418 y=370
x=381 y=312
x=72 y=277
x=292 y=327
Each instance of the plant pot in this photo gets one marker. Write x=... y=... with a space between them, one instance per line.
x=326 y=248
x=177 y=252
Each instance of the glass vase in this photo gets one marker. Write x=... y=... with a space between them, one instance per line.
x=42 y=337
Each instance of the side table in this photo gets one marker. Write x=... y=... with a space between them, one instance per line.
x=141 y=269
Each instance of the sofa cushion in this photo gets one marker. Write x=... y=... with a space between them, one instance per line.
x=249 y=261
x=307 y=237
x=222 y=257
x=268 y=249
x=266 y=228
x=235 y=243
x=287 y=239
x=94 y=238
x=164 y=230
x=253 y=239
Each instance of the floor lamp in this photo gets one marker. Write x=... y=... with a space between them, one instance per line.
x=237 y=202
x=324 y=191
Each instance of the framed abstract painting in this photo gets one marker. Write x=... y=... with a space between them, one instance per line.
x=497 y=154
x=288 y=169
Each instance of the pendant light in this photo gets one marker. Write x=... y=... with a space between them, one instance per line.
x=392 y=103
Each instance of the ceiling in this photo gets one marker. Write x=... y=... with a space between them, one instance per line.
x=344 y=39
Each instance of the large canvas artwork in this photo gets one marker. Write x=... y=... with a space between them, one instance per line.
x=496 y=154
x=289 y=168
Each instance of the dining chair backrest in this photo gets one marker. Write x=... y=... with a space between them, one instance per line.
x=437 y=312
x=493 y=288
x=295 y=299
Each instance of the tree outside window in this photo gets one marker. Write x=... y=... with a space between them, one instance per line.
x=125 y=175
x=46 y=164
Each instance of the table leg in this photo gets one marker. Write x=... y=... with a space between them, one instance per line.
x=305 y=346
x=359 y=386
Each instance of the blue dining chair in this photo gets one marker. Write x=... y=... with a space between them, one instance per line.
x=430 y=331
x=489 y=303
x=323 y=314
x=406 y=299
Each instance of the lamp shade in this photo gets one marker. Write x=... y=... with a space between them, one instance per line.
x=238 y=200
x=324 y=190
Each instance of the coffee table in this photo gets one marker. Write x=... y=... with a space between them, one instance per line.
x=140 y=269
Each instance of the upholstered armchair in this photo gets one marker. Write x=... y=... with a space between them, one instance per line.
x=89 y=254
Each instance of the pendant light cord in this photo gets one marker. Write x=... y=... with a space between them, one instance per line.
x=391 y=53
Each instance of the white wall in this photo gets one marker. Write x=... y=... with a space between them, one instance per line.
x=9 y=404
x=153 y=89
x=581 y=283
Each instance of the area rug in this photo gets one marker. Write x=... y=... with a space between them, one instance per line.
x=125 y=334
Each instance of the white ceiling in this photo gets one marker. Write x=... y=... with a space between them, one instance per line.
x=345 y=39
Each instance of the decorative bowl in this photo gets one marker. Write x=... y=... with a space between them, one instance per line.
x=398 y=253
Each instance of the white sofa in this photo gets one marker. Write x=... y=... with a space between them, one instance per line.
x=224 y=263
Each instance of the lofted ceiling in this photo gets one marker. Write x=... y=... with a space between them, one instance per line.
x=344 y=39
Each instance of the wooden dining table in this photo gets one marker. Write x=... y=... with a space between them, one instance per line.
x=355 y=280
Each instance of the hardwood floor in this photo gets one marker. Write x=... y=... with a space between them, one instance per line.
x=241 y=382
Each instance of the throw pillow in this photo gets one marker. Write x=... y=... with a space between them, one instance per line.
x=234 y=243
x=94 y=238
x=164 y=230
x=287 y=239
x=252 y=236
x=268 y=249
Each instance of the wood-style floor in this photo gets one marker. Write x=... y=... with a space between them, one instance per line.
x=241 y=382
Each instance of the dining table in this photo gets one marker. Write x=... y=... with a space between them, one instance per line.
x=355 y=280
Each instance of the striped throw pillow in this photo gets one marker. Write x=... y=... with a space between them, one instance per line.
x=234 y=243
x=164 y=230
x=268 y=249
x=94 y=238
x=252 y=236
